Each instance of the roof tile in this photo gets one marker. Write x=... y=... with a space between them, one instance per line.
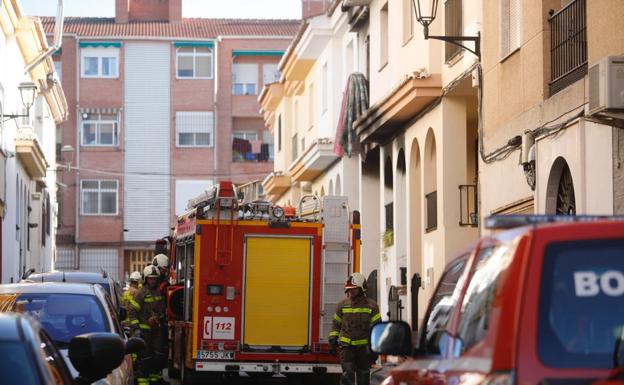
x=190 y=28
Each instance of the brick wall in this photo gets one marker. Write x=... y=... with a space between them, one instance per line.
x=148 y=10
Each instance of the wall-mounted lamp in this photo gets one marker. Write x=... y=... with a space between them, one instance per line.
x=427 y=14
x=28 y=91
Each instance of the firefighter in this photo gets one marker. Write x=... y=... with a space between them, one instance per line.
x=354 y=317
x=146 y=315
x=161 y=261
x=128 y=294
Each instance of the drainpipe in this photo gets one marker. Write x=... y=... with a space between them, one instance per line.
x=77 y=180
x=56 y=44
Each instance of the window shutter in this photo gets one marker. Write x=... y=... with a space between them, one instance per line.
x=194 y=122
x=245 y=73
x=511 y=29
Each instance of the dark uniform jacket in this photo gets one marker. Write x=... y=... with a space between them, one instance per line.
x=145 y=304
x=353 y=320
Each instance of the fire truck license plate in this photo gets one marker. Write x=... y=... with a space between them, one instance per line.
x=214 y=355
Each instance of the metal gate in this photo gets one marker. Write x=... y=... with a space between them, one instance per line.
x=137 y=260
x=65 y=259
x=98 y=259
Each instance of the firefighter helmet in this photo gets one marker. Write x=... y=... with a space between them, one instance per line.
x=356 y=280
x=151 y=271
x=161 y=260
x=135 y=276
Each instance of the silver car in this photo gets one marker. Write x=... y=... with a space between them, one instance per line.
x=66 y=310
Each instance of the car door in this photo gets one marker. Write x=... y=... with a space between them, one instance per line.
x=437 y=319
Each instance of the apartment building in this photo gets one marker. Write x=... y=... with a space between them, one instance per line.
x=551 y=144
x=161 y=108
x=418 y=141
x=32 y=103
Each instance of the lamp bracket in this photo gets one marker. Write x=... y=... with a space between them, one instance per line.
x=457 y=39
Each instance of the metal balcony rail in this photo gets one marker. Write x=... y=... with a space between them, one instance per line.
x=568 y=45
x=431 y=201
x=468 y=209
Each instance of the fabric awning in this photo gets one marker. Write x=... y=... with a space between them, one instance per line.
x=354 y=104
x=208 y=44
x=99 y=110
x=103 y=44
x=236 y=53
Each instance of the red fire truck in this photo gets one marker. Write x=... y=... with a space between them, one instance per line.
x=254 y=286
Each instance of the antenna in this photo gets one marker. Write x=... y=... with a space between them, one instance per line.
x=63 y=276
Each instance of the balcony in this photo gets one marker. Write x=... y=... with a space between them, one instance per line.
x=314 y=161
x=568 y=45
x=275 y=184
x=246 y=149
x=29 y=153
x=398 y=107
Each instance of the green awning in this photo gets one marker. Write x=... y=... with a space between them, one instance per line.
x=208 y=44
x=236 y=53
x=104 y=44
x=58 y=52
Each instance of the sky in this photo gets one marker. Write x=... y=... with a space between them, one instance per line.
x=240 y=9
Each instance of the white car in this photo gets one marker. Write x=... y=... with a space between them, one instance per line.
x=66 y=310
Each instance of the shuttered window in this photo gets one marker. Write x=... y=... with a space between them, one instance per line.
x=510 y=26
x=194 y=129
x=270 y=73
x=408 y=20
x=452 y=27
x=244 y=78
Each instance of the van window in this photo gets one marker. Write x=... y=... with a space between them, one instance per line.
x=442 y=304
x=582 y=303
x=477 y=304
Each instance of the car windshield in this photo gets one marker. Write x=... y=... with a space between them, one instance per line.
x=582 y=303
x=64 y=316
x=16 y=364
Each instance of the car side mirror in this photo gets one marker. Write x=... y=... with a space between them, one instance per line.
x=95 y=355
x=392 y=338
x=123 y=314
x=135 y=345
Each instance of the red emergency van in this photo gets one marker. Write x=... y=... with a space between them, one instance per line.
x=542 y=303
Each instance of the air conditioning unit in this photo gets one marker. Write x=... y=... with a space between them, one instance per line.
x=606 y=86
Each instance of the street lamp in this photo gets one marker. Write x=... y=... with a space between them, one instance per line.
x=28 y=91
x=426 y=15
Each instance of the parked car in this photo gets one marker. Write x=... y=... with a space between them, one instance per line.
x=29 y=357
x=110 y=285
x=66 y=310
x=541 y=303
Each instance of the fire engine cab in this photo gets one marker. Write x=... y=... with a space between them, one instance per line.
x=254 y=286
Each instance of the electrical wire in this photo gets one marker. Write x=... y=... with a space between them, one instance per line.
x=65 y=168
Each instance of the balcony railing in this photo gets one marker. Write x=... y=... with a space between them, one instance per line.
x=568 y=45
x=468 y=212
x=431 y=201
x=245 y=150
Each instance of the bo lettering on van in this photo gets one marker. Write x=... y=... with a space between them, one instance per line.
x=590 y=284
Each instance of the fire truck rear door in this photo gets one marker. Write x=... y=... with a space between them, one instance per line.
x=277 y=291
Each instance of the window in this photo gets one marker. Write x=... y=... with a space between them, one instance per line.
x=581 y=302
x=58 y=67
x=510 y=26
x=408 y=20
x=270 y=73
x=99 y=197
x=431 y=201
x=294 y=147
x=100 y=130
x=311 y=106
x=325 y=84
x=244 y=78
x=452 y=27
x=194 y=129
x=247 y=148
x=389 y=214
x=279 y=133
x=479 y=298
x=194 y=62
x=383 y=36
x=443 y=302
x=100 y=62
x=53 y=360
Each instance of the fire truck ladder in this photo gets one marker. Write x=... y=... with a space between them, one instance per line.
x=224 y=231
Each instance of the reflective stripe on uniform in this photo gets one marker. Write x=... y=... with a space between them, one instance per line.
x=134 y=322
x=349 y=341
x=376 y=317
x=357 y=310
x=145 y=326
x=334 y=333
x=338 y=318
x=150 y=299
x=134 y=304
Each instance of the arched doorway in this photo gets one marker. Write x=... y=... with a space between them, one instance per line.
x=431 y=185
x=560 y=197
x=415 y=261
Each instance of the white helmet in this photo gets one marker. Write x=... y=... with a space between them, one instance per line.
x=161 y=260
x=356 y=280
x=151 y=271
x=135 y=276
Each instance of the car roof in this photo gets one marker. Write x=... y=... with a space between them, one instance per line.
x=9 y=329
x=48 y=287
x=70 y=276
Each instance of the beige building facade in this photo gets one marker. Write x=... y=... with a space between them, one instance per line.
x=548 y=147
